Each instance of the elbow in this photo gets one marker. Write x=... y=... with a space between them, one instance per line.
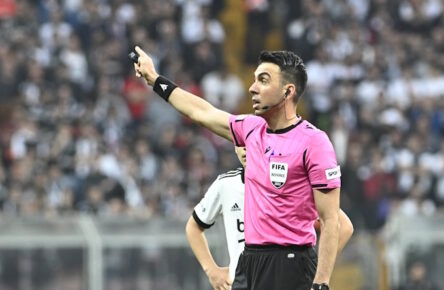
x=194 y=116
x=346 y=228
x=349 y=229
x=199 y=118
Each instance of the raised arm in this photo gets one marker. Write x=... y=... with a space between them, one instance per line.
x=327 y=204
x=194 y=107
x=219 y=276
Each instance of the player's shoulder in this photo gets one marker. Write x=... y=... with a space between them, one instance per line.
x=230 y=175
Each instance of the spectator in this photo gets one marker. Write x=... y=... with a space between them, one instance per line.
x=417 y=278
x=222 y=89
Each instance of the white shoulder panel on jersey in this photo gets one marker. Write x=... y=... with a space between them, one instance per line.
x=211 y=205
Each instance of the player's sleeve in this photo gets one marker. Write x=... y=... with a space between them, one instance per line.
x=321 y=164
x=241 y=126
x=210 y=206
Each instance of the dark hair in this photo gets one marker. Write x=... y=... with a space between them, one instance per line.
x=292 y=68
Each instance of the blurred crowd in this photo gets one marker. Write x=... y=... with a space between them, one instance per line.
x=79 y=133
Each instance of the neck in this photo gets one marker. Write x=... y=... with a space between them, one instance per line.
x=284 y=118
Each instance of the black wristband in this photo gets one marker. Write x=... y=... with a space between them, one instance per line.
x=322 y=286
x=164 y=87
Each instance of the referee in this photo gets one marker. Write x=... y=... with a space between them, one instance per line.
x=225 y=197
x=291 y=176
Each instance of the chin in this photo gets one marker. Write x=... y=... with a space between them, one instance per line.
x=259 y=112
x=262 y=112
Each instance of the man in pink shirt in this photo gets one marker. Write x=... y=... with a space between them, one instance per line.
x=291 y=175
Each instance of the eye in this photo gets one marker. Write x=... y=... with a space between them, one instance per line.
x=263 y=80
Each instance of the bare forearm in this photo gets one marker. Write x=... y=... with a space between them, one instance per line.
x=218 y=276
x=192 y=106
x=328 y=248
x=199 y=246
x=201 y=112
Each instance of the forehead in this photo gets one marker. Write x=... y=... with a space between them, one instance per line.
x=267 y=68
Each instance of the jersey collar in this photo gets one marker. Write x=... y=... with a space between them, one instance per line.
x=284 y=130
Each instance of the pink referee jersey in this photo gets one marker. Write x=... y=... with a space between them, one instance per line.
x=282 y=169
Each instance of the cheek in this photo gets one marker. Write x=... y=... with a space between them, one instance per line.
x=265 y=92
x=268 y=94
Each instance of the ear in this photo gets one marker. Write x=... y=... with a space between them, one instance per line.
x=286 y=93
x=290 y=89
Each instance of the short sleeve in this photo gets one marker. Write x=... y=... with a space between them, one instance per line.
x=241 y=126
x=210 y=206
x=321 y=164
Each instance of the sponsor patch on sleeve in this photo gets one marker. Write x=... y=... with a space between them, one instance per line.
x=333 y=173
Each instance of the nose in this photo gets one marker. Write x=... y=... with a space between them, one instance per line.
x=253 y=89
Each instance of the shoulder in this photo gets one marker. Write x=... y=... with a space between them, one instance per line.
x=316 y=139
x=230 y=175
x=247 y=119
x=230 y=186
x=312 y=131
x=231 y=181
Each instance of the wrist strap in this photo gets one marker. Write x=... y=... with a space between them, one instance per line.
x=322 y=286
x=164 y=87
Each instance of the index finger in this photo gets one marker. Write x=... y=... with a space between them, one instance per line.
x=139 y=51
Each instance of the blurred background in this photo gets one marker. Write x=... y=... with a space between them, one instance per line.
x=98 y=175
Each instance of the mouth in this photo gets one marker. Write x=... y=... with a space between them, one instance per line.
x=256 y=104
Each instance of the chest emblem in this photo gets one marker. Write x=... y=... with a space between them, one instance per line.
x=278 y=174
x=236 y=207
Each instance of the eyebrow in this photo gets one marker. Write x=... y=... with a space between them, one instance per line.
x=262 y=74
